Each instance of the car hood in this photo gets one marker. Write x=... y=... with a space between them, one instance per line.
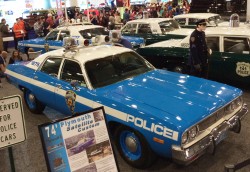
x=182 y=31
x=182 y=96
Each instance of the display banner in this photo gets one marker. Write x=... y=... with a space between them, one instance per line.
x=78 y=143
x=12 y=125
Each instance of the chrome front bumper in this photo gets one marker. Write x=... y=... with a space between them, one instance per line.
x=208 y=143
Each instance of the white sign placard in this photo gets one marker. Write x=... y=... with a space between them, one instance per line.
x=78 y=143
x=12 y=125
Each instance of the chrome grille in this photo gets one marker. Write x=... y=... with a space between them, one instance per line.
x=211 y=119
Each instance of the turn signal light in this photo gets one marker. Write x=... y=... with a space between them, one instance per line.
x=86 y=42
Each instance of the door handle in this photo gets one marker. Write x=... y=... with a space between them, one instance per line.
x=59 y=86
x=225 y=58
x=35 y=77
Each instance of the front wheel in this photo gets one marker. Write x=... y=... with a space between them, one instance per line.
x=34 y=105
x=133 y=147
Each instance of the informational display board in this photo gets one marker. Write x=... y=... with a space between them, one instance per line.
x=78 y=143
x=12 y=124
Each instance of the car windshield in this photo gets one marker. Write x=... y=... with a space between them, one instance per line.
x=90 y=33
x=215 y=19
x=167 y=26
x=112 y=69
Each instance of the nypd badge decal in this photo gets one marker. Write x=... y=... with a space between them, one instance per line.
x=70 y=100
x=243 y=69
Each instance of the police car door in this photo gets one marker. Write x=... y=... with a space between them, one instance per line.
x=46 y=79
x=215 y=61
x=72 y=94
x=236 y=59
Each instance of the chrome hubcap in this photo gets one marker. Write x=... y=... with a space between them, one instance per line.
x=131 y=144
x=31 y=98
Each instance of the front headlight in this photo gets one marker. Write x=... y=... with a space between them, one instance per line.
x=193 y=132
x=233 y=105
x=239 y=101
x=229 y=108
x=184 y=138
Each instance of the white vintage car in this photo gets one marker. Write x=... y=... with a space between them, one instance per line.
x=155 y=29
x=189 y=20
x=82 y=33
x=229 y=61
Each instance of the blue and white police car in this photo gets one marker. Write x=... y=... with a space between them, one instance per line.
x=149 y=111
x=83 y=34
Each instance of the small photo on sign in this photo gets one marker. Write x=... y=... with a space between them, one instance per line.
x=80 y=142
x=99 y=151
x=98 y=116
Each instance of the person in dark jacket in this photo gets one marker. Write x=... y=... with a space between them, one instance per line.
x=198 y=59
x=4 y=29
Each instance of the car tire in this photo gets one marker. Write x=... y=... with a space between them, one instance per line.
x=139 y=154
x=34 y=105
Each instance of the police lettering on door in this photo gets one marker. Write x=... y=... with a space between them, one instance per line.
x=152 y=127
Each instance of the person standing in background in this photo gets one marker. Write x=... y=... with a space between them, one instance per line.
x=126 y=16
x=50 y=21
x=111 y=21
x=24 y=26
x=38 y=27
x=198 y=59
x=45 y=26
x=19 y=32
x=3 y=65
x=4 y=29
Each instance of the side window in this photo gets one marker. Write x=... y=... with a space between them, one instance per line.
x=52 y=35
x=181 y=21
x=213 y=43
x=236 y=45
x=144 y=28
x=63 y=34
x=72 y=71
x=129 y=28
x=192 y=21
x=51 y=66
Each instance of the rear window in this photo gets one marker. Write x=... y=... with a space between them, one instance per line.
x=89 y=33
x=167 y=26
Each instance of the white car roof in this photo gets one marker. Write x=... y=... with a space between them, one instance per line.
x=82 y=54
x=78 y=27
x=196 y=15
x=231 y=31
x=220 y=31
x=150 y=20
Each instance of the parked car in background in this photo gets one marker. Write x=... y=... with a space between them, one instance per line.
x=54 y=39
x=229 y=61
x=142 y=103
x=189 y=20
x=155 y=29
x=84 y=33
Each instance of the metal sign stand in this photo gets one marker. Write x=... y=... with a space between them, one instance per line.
x=12 y=164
